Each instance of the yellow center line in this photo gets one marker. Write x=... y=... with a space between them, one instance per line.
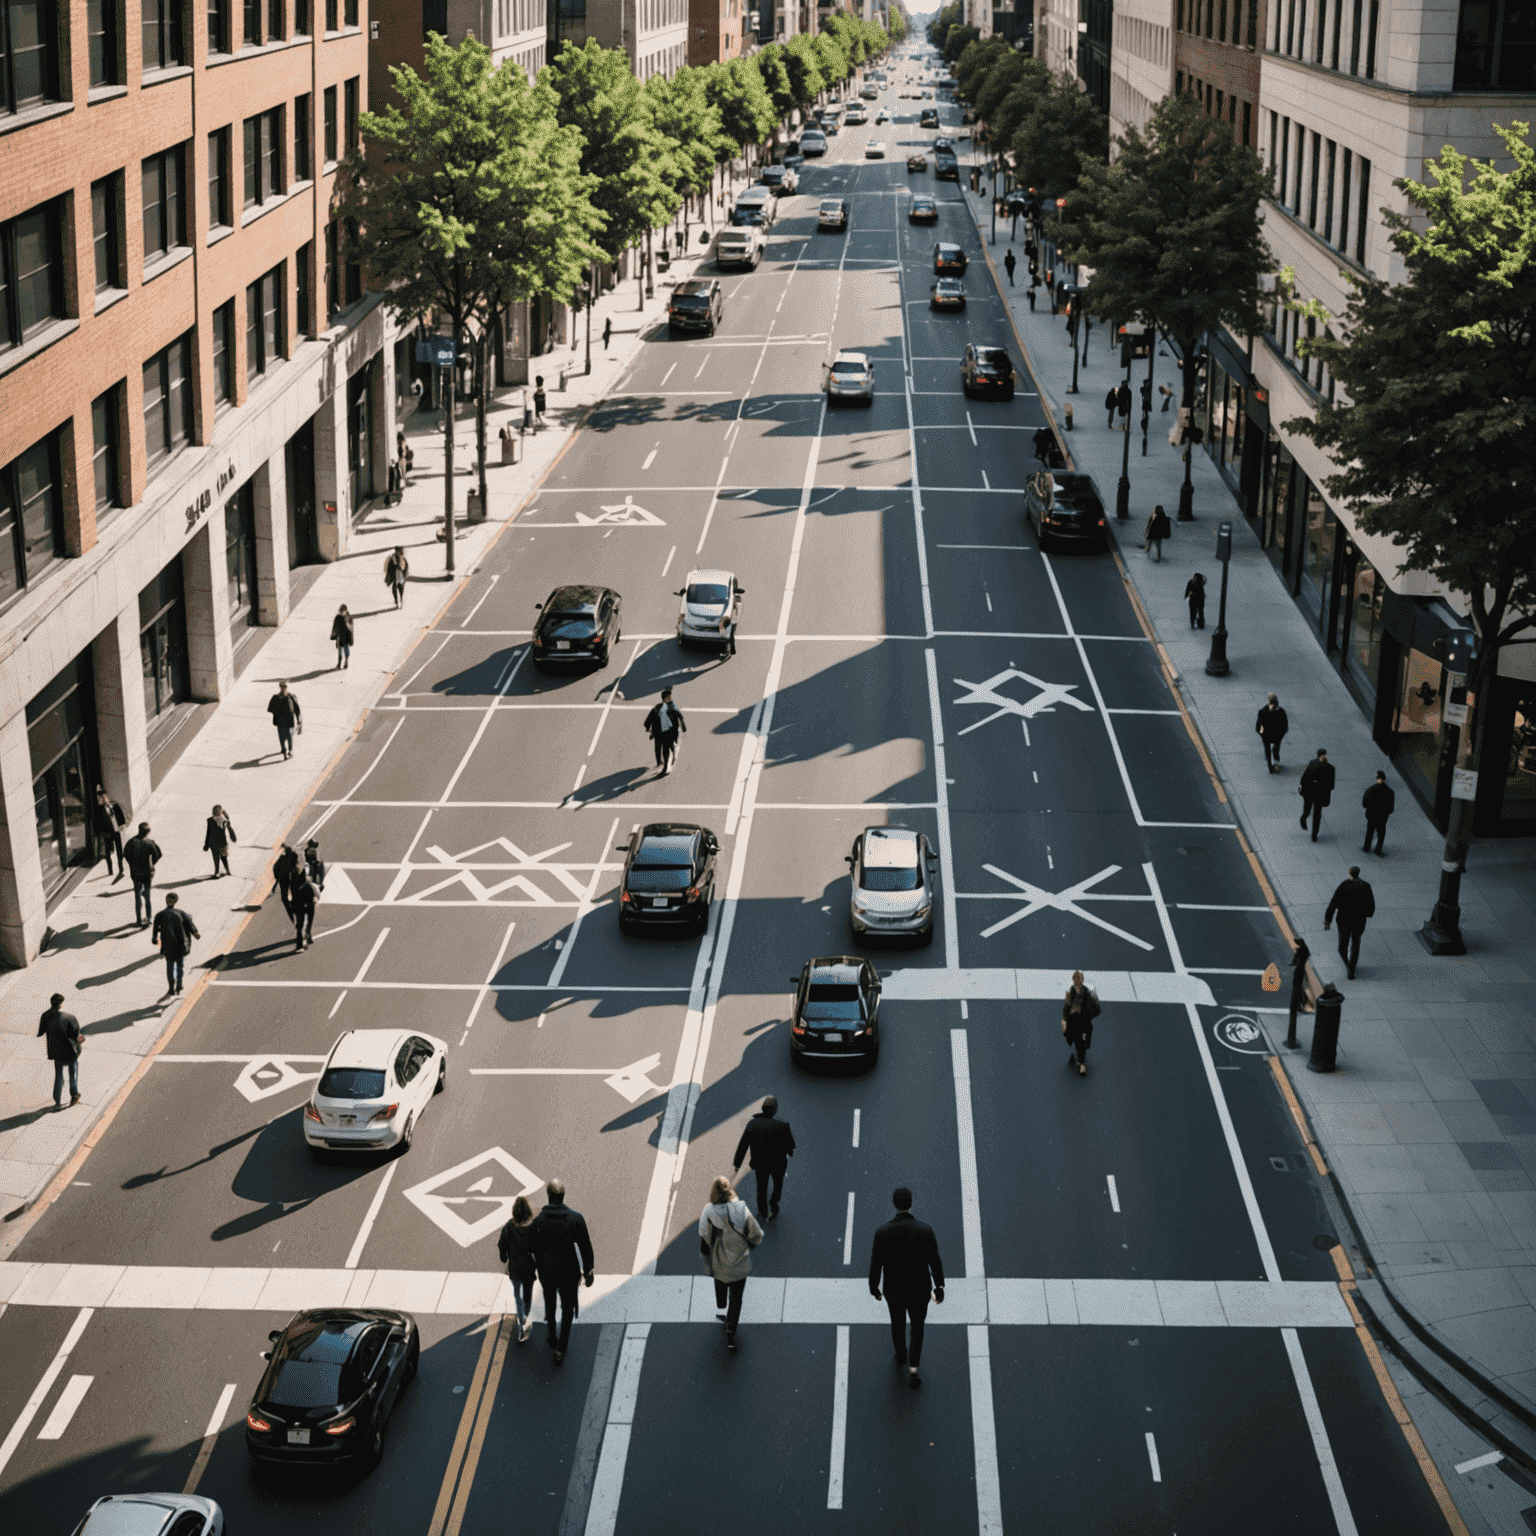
x=490 y=1359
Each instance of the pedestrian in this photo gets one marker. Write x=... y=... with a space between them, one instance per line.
x=396 y=569
x=341 y=634
x=62 y=1032
x=904 y=1258
x=1298 y=986
x=1010 y=261
x=1272 y=724
x=665 y=723
x=141 y=855
x=1030 y=295
x=107 y=820
x=284 y=868
x=727 y=1235
x=1043 y=445
x=1379 y=802
x=1111 y=399
x=540 y=400
x=173 y=933
x=504 y=437
x=771 y=1144
x=1079 y=1009
x=217 y=838
x=286 y=716
x=1166 y=391
x=399 y=442
x=1316 y=790
x=515 y=1245
x=302 y=897
x=563 y=1252
x=1158 y=529
x=1354 y=904
x=314 y=866
x=607 y=332
x=1123 y=405
x=1194 y=595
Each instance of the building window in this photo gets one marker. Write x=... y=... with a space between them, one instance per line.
x=168 y=402
x=264 y=158
x=1344 y=181
x=354 y=271
x=1338 y=32
x=1365 y=210
x=101 y=34
x=330 y=124
x=1526 y=73
x=301 y=18
x=31 y=516
x=332 y=269
x=1253 y=25
x=349 y=10
x=29 y=54
x=304 y=299
x=107 y=232
x=1248 y=123
x=251 y=28
x=303 y=150
x=263 y=323
x=31 y=275
x=162 y=34
x=220 y=213
x=331 y=14
x=218 y=26
x=224 y=354
x=351 y=109
x=1333 y=151
x=1283 y=185
x=105 y=429
x=1290 y=26
x=165 y=215
x=275 y=19
x=434 y=17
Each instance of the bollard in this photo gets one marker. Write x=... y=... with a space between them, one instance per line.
x=472 y=509
x=1325 y=1029
x=562 y=381
x=1067 y=417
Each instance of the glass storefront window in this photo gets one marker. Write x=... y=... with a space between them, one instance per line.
x=1418 y=716
x=1321 y=533
x=240 y=556
x=163 y=643
x=1364 y=654
x=1519 y=802
x=60 y=723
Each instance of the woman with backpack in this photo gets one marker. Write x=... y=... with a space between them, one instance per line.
x=728 y=1232
x=341 y=633
x=516 y=1246
x=1078 y=1011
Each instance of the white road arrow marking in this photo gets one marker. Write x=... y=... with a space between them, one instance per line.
x=632 y=1083
x=1043 y=703
x=1062 y=901
x=476 y=1213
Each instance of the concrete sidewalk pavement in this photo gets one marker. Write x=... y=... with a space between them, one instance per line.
x=1429 y=1125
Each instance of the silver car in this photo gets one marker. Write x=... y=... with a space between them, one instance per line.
x=152 y=1514
x=711 y=609
x=851 y=377
x=891 y=883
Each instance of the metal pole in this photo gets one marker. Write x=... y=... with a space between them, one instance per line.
x=1216 y=664
x=1123 y=490
x=1441 y=933
x=1146 y=410
x=1072 y=322
x=447 y=393
x=591 y=278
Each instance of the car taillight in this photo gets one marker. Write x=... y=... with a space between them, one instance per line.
x=311 y=1113
x=253 y=1420
x=341 y=1428
x=797 y=1029
x=625 y=896
x=387 y=1113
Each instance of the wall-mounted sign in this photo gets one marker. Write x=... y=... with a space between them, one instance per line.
x=199 y=505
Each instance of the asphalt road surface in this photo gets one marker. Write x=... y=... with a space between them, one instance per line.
x=1141 y=1333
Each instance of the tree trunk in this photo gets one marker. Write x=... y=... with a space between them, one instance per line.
x=446 y=377
x=482 y=404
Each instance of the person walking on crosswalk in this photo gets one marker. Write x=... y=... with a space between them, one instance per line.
x=727 y=1235
x=1078 y=1011
x=563 y=1250
x=904 y=1259
x=771 y=1144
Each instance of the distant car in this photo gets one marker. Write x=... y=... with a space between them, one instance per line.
x=754 y=208
x=711 y=609
x=835 y=1015
x=577 y=624
x=832 y=214
x=696 y=305
x=152 y=1514
x=333 y=1378
x=793 y=160
x=870 y=93
x=813 y=143
x=924 y=210
x=374 y=1089
x=857 y=115
x=851 y=377
x=987 y=370
x=949 y=258
x=739 y=246
x=917 y=162
x=942 y=143
x=947 y=293
x=1065 y=510
x=890 y=873
x=928 y=118
x=946 y=167
x=779 y=179
x=874 y=150
x=669 y=877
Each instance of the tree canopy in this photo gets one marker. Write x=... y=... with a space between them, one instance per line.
x=683 y=115
x=804 y=68
x=1062 y=133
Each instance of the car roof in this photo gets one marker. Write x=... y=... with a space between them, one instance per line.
x=851 y=357
x=831 y=202
x=725 y=578
x=134 y=1514
x=922 y=197
x=990 y=351
x=662 y=838
x=889 y=848
x=836 y=968
x=1075 y=488
x=697 y=285
x=366 y=1048
x=573 y=599
x=947 y=245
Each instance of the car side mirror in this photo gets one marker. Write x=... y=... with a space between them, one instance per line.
x=794 y=981
x=741 y=591
x=681 y=592
x=266 y=1354
x=275 y=1335
x=538 y=605
x=621 y=847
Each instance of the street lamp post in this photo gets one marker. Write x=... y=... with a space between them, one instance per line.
x=1441 y=933
x=1146 y=408
x=1123 y=490
x=1216 y=662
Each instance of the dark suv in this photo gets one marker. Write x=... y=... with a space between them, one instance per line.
x=669 y=877
x=1065 y=510
x=696 y=306
x=985 y=370
x=835 y=1016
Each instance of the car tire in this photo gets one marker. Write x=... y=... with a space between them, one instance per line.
x=602 y=656
x=442 y=1077
x=925 y=936
x=412 y=1362
x=407 y=1136
x=376 y=1443
x=1008 y=395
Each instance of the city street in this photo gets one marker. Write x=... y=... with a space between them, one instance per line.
x=1143 y=1330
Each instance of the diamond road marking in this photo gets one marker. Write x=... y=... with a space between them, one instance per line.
x=1062 y=901
x=1043 y=703
x=269 y=1075
x=475 y=1213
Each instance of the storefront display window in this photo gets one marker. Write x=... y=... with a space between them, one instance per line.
x=1363 y=642
x=1417 y=721
x=163 y=645
x=1519 y=802
x=240 y=557
x=1320 y=534
x=60 y=728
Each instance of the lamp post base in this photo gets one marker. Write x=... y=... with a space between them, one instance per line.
x=1186 y=503
x=1441 y=933
x=1123 y=498
x=1216 y=663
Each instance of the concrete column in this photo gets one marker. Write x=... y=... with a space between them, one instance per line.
x=380 y=415
x=120 y=721
x=389 y=415
x=332 y=514
x=209 y=652
x=23 y=916
x=272 y=578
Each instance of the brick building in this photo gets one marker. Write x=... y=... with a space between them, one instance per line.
x=1217 y=55
x=196 y=396
x=716 y=31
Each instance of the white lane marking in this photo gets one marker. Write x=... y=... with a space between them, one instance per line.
x=354 y=1257
x=986 y=484
x=1200 y=906
x=570 y=799
x=336 y=1006
x=64 y=1410
x=1321 y=1448
x=505 y=682
x=613 y=693
x=608 y=1481
x=848 y=1232
x=44 y=1387
x=406 y=685
x=972 y=427
x=668 y=566
x=1478 y=1462
x=1218 y=1095
x=210 y=1438
x=856 y=1127
x=667 y=375
x=378 y=944
x=704 y=364
x=988 y=597
x=1023 y=547
x=216 y=1422
x=1157 y=1471
x=650 y=459
x=490 y=587
x=989 y=1493
x=1114 y=1196
x=916 y=483
x=970 y=1188
x=558 y=974
x=839 y=1421
x=946 y=841
x=490 y=977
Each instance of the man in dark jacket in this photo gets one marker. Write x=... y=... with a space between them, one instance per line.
x=141 y=855
x=1316 y=790
x=286 y=714
x=564 y=1253
x=1272 y=725
x=172 y=934
x=1353 y=903
x=905 y=1258
x=302 y=897
x=107 y=821
x=665 y=722
x=772 y=1144
x=284 y=868
x=62 y=1031
x=1379 y=803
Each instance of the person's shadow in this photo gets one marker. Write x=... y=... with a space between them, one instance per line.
x=609 y=788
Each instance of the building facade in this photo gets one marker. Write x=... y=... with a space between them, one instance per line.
x=654 y=33
x=1141 y=63
x=1056 y=35
x=716 y=31
x=1217 y=55
x=196 y=395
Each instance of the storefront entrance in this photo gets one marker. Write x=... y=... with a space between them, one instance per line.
x=163 y=652
x=61 y=724
x=240 y=560
x=359 y=439
x=299 y=467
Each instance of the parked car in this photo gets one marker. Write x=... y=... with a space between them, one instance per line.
x=928 y=118
x=891 y=891
x=813 y=143
x=832 y=214
x=1065 y=510
x=835 y=1015
x=754 y=208
x=711 y=609
x=374 y=1089
x=924 y=210
x=697 y=304
x=874 y=150
x=987 y=370
x=947 y=293
x=949 y=258
x=739 y=247
x=918 y=162
x=857 y=115
x=946 y=167
x=851 y=377
x=669 y=877
x=576 y=624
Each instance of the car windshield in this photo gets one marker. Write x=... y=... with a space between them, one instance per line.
x=845 y=367
x=128 y=1517
x=659 y=877
x=307 y=1384
x=888 y=879
x=708 y=592
x=352 y=1083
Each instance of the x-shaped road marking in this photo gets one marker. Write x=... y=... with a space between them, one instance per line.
x=1063 y=901
x=1044 y=702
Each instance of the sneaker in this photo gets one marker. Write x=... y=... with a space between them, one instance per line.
x=559 y=1357
x=913 y=1379
x=731 y=1344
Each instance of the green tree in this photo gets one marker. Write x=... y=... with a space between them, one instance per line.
x=1062 y=134
x=897 y=28
x=999 y=80
x=776 y=81
x=1172 y=232
x=471 y=195
x=955 y=44
x=938 y=28
x=735 y=90
x=682 y=113
x=976 y=62
x=1021 y=100
x=804 y=68
x=1435 y=430
x=832 y=58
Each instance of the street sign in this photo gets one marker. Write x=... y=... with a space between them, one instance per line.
x=437 y=350
x=1271 y=979
x=1464 y=784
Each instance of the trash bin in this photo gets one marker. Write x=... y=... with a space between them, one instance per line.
x=473 y=511
x=1325 y=1029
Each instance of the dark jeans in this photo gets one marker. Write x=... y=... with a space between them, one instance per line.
x=143 y=903
x=220 y=858
x=901 y=1310
x=1378 y=829
x=565 y=1292
x=769 y=1199
x=59 y=1069
x=1079 y=1039
x=1314 y=809
x=666 y=748
x=173 y=965
x=1197 y=615
x=522 y=1297
x=1349 y=945
x=728 y=1300
x=303 y=924
x=1271 y=752
x=111 y=842
x=285 y=738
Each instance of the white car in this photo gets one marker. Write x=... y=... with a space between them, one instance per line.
x=711 y=609
x=890 y=874
x=152 y=1514
x=874 y=150
x=851 y=377
x=374 y=1090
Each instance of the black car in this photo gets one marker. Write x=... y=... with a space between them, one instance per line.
x=1065 y=510
x=333 y=1377
x=923 y=211
x=836 y=1012
x=669 y=877
x=577 y=624
x=986 y=370
x=946 y=167
x=949 y=260
x=697 y=305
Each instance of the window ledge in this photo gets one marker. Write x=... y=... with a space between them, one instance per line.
x=45 y=338
x=162 y=264
x=217 y=232
x=161 y=76
x=101 y=93
x=108 y=297
x=336 y=36
x=302 y=185
x=250 y=215
x=13 y=122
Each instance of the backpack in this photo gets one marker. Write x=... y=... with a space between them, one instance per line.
x=730 y=1247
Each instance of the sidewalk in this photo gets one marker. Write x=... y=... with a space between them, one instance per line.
x=112 y=979
x=1430 y=1123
